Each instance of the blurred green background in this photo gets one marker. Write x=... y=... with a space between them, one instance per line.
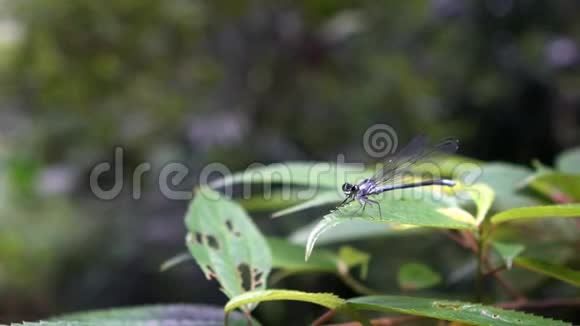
x=238 y=82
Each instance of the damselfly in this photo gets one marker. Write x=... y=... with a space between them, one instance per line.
x=394 y=168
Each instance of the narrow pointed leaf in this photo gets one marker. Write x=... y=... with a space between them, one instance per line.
x=276 y=199
x=327 y=300
x=320 y=199
x=535 y=212
x=354 y=230
x=174 y=261
x=226 y=244
x=457 y=311
x=556 y=271
x=313 y=174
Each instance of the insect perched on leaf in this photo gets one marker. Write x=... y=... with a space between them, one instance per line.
x=394 y=168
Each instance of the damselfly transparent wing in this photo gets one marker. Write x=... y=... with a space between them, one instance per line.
x=398 y=164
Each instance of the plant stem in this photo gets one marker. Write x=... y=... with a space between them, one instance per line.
x=324 y=318
x=480 y=273
x=353 y=283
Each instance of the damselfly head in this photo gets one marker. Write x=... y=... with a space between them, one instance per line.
x=348 y=188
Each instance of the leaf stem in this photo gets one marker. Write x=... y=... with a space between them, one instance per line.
x=480 y=272
x=390 y=321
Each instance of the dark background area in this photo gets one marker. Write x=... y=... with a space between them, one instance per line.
x=238 y=82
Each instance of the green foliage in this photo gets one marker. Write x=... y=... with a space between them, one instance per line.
x=556 y=271
x=469 y=313
x=483 y=196
x=226 y=244
x=506 y=181
x=290 y=257
x=327 y=300
x=536 y=212
x=557 y=186
x=404 y=211
x=320 y=199
x=321 y=174
x=569 y=161
x=354 y=230
x=416 y=276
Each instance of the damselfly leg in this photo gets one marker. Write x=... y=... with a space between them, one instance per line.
x=363 y=201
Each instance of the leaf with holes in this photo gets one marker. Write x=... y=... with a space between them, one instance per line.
x=556 y=271
x=183 y=314
x=536 y=212
x=226 y=244
x=416 y=276
x=393 y=210
x=569 y=161
x=458 y=311
x=508 y=251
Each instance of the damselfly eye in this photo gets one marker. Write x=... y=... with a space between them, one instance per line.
x=347 y=187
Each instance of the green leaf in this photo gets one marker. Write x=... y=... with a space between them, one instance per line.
x=226 y=244
x=482 y=195
x=190 y=314
x=559 y=187
x=327 y=300
x=508 y=251
x=559 y=272
x=354 y=230
x=276 y=200
x=321 y=198
x=505 y=180
x=535 y=212
x=318 y=174
x=415 y=276
x=569 y=161
x=408 y=212
x=290 y=256
x=174 y=261
x=464 y=312
x=352 y=257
